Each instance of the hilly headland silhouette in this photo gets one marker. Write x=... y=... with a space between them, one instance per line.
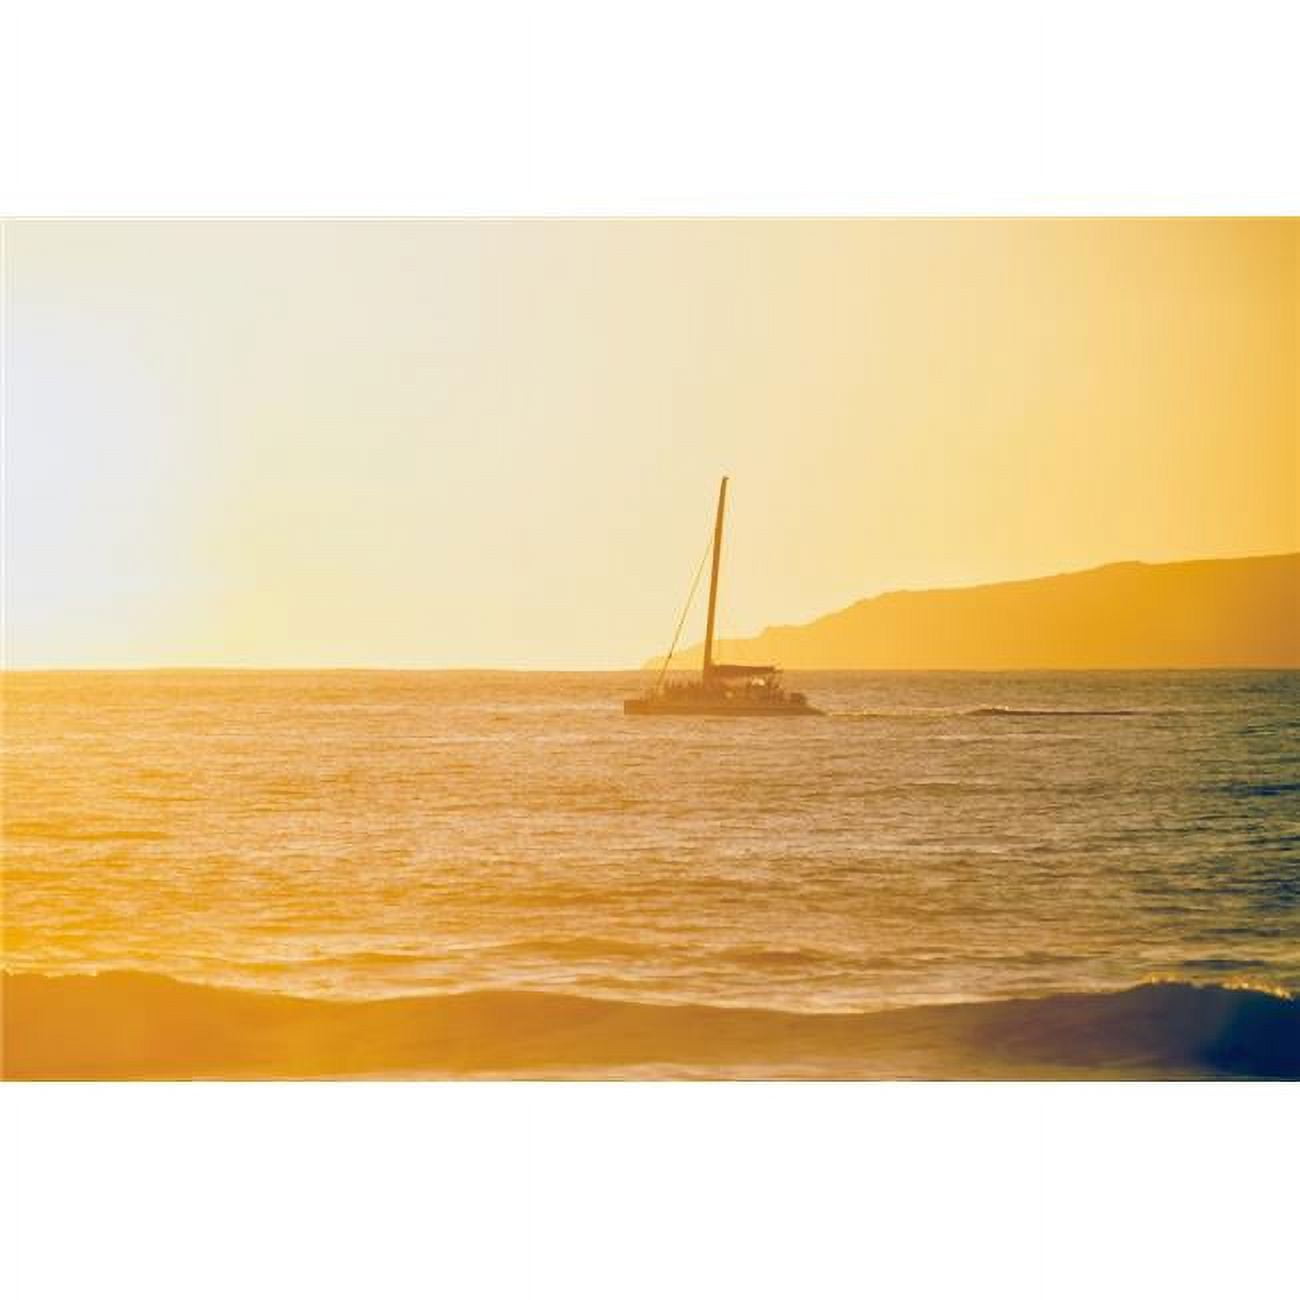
x=1222 y=613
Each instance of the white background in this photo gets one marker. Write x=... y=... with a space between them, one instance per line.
x=652 y=1190
x=681 y=106
x=152 y=107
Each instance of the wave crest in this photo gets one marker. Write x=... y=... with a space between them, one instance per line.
x=135 y=1025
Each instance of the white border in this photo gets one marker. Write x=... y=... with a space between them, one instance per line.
x=651 y=1190
x=594 y=107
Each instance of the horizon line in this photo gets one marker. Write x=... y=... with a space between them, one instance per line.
x=590 y=672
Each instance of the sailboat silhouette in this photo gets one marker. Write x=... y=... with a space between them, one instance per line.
x=740 y=690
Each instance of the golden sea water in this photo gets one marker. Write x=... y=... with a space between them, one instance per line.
x=935 y=838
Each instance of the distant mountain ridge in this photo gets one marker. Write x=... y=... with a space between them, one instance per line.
x=1233 y=613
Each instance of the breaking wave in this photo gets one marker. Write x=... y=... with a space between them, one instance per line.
x=1003 y=711
x=987 y=711
x=134 y=1025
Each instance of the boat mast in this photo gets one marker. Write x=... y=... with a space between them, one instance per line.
x=713 y=581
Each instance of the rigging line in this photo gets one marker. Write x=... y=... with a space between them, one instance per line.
x=686 y=609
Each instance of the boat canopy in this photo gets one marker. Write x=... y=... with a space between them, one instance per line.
x=742 y=670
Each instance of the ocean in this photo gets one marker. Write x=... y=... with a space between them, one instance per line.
x=464 y=874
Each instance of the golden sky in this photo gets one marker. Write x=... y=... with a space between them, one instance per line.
x=498 y=443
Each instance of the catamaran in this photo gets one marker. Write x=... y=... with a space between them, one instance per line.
x=723 y=690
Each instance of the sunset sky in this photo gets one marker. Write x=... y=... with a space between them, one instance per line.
x=497 y=444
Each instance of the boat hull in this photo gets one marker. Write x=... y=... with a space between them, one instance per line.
x=717 y=709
